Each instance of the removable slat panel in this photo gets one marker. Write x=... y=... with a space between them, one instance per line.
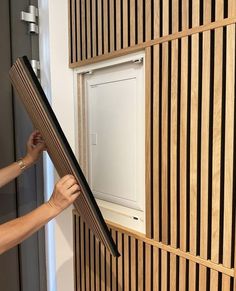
x=43 y=118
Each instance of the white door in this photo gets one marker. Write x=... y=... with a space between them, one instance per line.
x=116 y=132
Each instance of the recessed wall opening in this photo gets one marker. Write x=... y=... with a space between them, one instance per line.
x=111 y=136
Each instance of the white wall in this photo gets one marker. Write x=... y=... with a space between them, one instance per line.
x=54 y=61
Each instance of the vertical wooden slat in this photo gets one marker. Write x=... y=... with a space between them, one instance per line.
x=114 y=265
x=148 y=267
x=164 y=134
x=148 y=19
x=87 y=263
x=165 y=18
x=83 y=24
x=112 y=25
x=126 y=262
x=73 y=28
x=140 y=266
x=78 y=28
x=140 y=21
x=103 y=283
x=156 y=20
x=88 y=35
x=83 y=275
x=108 y=270
x=235 y=258
x=156 y=154
x=185 y=14
x=98 y=268
x=99 y=24
x=92 y=261
x=132 y=22
x=149 y=203
x=229 y=146
x=120 y=273
x=231 y=8
x=133 y=263
x=183 y=161
x=105 y=25
x=77 y=253
x=173 y=159
x=163 y=271
x=118 y=24
x=204 y=157
x=94 y=28
x=216 y=154
x=125 y=23
x=193 y=159
x=156 y=269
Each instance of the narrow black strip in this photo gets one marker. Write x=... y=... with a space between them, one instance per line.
x=201 y=9
x=76 y=32
x=180 y=15
x=102 y=20
x=81 y=54
x=170 y=16
x=226 y=8
x=168 y=272
x=212 y=52
x=178 y=140
x=108 y=25
x=136 y=21
x=115 y=28
x=144 y=20
x=188 y=141
x=71 y=34
x=97 y=40
x=160 y=143
x=86 y=32
x=128 y=22
x=152 y=19
x=121 y=23
x=222 y=162
x=190 y=13
x=91 y=28
x=161 y=18
x=197 y=278
x=213 y=12
x=233 y=262
x=200 y=59
x=220 y=282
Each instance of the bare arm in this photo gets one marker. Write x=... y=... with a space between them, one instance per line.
x=35 y=146
x=17 y=230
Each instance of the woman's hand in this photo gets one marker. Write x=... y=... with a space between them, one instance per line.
x=65 y=193
x=35 y=146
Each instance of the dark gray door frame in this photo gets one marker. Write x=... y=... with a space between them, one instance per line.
x=22 y=268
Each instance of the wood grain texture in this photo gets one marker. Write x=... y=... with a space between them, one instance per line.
x=204 y=156
x=148 y=133
x=229 y=146
x=156 y=144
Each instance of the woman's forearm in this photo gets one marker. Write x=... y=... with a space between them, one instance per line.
x=9 y=173
x=14 y=170
x=17 y=230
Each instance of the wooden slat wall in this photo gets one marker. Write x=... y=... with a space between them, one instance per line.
x=135 y=269
x=190 y=97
